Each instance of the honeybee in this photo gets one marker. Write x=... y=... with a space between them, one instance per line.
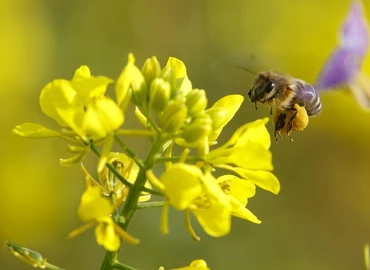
x=291 y=100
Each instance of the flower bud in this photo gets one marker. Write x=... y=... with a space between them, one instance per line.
x=151 y=69
x=177 y=66
x=173 y=116
x=131 y=77
x=196 y=101
x=160 y=92
x=184 y=85
x=198 y=128
x=168 y=75
x=29 y=256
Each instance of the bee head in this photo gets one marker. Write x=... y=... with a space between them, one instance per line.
x=260 y=91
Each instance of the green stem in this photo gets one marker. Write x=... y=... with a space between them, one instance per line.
x=122 y=266
x=109 y=259
x=52 y=267
x=132 y=199
x=145 y=205
x=145 y=112
x=111 y=168
x=177 y=158
x=135 y=133
x=134 y=194
x=132 y=155
x=120 y=177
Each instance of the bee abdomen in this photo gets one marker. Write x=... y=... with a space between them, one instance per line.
x=306 y=95
x=314 y=108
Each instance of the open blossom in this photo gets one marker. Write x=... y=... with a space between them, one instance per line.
x=79 y=105
x=82 y=111
x=96 y=211
x=246 y=153
x=212 y=201
x=343 y=68
x=126 y=167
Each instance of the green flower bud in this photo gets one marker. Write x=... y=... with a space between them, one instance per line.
x=130 y=77
x=198 y=128
x=151 y=69
x=180 y=83
x=196 y=101
x=173 y=116
x=184 y=85
x=177 y=66
x=29 y=256
x=160 y=92
x=169 y=75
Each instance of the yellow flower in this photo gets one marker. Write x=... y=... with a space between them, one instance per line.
x=128 y=169
x=238 y=191
x=130 y=84
x=80 y=104
x=247 y=154
x=186 y=187
x=195 y=265
x=96 y=210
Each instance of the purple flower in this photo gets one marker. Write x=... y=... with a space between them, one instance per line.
x=343 y=67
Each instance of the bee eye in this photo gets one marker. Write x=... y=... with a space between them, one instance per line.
x=269 y=86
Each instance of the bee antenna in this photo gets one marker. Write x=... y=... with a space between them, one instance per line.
x=244 y=68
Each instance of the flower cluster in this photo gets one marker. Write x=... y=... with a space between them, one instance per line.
x=175 y=116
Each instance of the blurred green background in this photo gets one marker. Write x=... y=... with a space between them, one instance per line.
x=321 y=218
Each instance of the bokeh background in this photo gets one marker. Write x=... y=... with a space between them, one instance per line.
x=321 y=218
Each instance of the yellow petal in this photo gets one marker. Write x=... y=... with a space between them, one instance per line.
x=215 y=220
x=250 y=156
x=263 y=179
x=80 y=230
x=177 y=66
x=230 y=105
x=131 y=76
x=93 y=205
x=255 y=132
x=90 y=88
x=238 y=188
x=125 y=235
x=33 y=130
x=101 y=118
x=104 y=155
x=73 y=160
x=140 y=116
x=106 y=236
x=182 y=184
x=90 y=182
x=59 y=94
x=240 y=211
x=194 y=265
x=82 y=72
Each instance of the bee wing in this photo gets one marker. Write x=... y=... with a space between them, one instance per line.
x=304 y=90
x=360 y=88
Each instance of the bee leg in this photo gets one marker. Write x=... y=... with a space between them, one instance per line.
x=289 y=126
x=271 y=111
x=255 y=105
x=279 y=125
